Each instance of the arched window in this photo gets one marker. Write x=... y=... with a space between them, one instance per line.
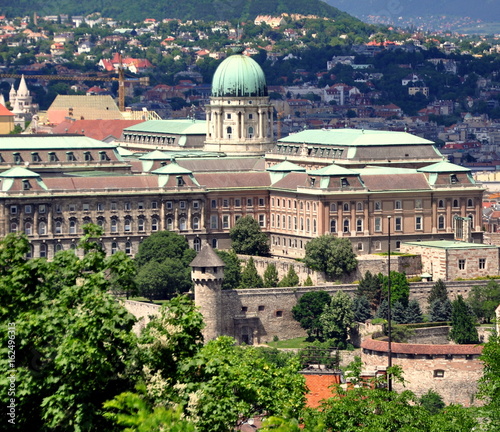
x=283 y=219
x=28 y=228
x=214 y=243
x=250 y=132
x=170 y=224
x=455 y=203
x=302 y=224
x=182 y=224
x=333 y=207
x=114 y=225
x=154 y=224
x=333 y=226
x=72 y=227
x=347 y=226
x=58 y=247
x=140 y=224
x=128 y=248
x=346 y=206
x=43 y=250
x=229 y=131
x=314 y=226
x=441 y=204
x=128 y=225
x=471 y=217
x=359 y=225
x=470 y=202
x=197 y=244
x=308 y=225
x=441 y=222
x=58 y=227
x=289 y=222
x=196 y=223
x=13 y=227
x=314 y=207
x=359 y=206
x=114 y=248
x=42 y=228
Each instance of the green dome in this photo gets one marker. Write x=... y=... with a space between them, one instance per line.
x=239 y=76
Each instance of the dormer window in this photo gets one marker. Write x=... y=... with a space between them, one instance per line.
x=87 y=156
x=53 y=157
x=453 y=179
x=344 y=182
x=26 y=185
x=180 y=181
x=103 y=156
x=313 y=181
x=70 y=157
x=35 y=157
x=17 y=158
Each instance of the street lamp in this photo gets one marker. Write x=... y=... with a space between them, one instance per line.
x=389 y=325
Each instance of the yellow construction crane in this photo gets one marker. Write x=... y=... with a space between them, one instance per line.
x=121 y=81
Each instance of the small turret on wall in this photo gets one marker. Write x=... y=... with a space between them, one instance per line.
x=207 y=273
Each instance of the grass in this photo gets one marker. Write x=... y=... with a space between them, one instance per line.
x=290 y=343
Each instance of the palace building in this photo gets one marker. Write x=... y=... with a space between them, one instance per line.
x=199 y=178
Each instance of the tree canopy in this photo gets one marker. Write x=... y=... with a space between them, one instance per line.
x=331 y=255
x=337 y=319
x=247 y=237
x=463 y=330
x=308 y=310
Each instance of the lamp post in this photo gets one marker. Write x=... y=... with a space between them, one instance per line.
x=389 y=325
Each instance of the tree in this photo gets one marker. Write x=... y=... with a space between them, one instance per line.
x=463 y=330
x=75 y=347
x=370 y=287
x=247 y=237
x=413 y=312
x=232 y=269
x=400 y=288
x=432 y=402
x=249 y=277
x=271 y=278
x=337 y=319
x=162 y=245
x=398 y=313
x=291 y=279
x=438 y=292
x=361 y=309
x=440 y=311
x=308 y=310
x=489 y=384
x=308 y=281
x=331 y=255
x=484 y=300
x=383 y=310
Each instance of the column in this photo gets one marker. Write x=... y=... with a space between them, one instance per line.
x=366 y=221
x=353 y=218
x=434 y=214
x=449 y=220
x=176 y=218
x=162 y=215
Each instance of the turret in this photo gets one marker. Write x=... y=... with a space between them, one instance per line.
x=207 y=273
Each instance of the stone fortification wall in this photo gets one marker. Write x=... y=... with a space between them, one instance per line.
x=451 y=370
x=142 y=311
x=411 y=265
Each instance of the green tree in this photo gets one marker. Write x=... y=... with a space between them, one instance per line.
x=162 y=245
x=308 y=281
x=489 y=384
x=331 y=255
x=291 y=279
x=413 y=312
x=247 y=238
x=361 y=309
x=232 y=269
x=440 y=311
x=337 y=319
x=249 y=277
x=74 y=344
x=432 y=402
x=463 y=330
x=438 y=292
x=484 y=300
x=370 y=286
x=308 y=310
x=398 y=313
x=271 y=278
x=400 y=288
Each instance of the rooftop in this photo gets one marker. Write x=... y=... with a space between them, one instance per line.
x=449 y=244
x=179 y=127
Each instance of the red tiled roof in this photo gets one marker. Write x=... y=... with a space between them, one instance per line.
x=101 y=183
x=4 y=111
x=401 y=348
x=395 y=182
x=97 y=129
x=234 y=180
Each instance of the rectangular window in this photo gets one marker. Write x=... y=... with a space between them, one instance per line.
x=214 y=222
x=213 y=204
x=398 y=224
x=196 y=205
x=237 y=202
x=249 y=202
x=169 y=205
x=482 y=263
x=262 y=221
x=41 y=208
x=127 y=206
x=418 y=223
x=461 y=264
x=114 y=206
x=100 y=207
x=58 y=208
x=378 y=205
x=140 y=205
x=13 y=209
x=225 y=203
x=85 y=206
x=225 y=221
x=140 y=225
x=182 y=204
x=397 y=205
x=27 y=209
x=378 y=224
x=154 y=205
x=71 y=207
x=262 y=202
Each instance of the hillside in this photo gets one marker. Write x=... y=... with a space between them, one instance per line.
x=186 y=9
x=486 y=10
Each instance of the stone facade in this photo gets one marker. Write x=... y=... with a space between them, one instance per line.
x=451 y=370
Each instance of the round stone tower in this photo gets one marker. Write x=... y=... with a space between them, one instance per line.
x=239 y=116
x=207 y=272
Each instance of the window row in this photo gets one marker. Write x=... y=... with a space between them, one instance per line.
x=52 y=156
x=236 y=202
x=462 y=264
x=224 y=222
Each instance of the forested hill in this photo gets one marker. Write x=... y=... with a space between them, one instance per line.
x=137 y=10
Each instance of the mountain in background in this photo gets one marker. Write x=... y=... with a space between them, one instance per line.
x=485 y=10
x=208 y=10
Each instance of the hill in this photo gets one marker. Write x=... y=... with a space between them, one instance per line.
x=187 y=9
x=486 y=10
